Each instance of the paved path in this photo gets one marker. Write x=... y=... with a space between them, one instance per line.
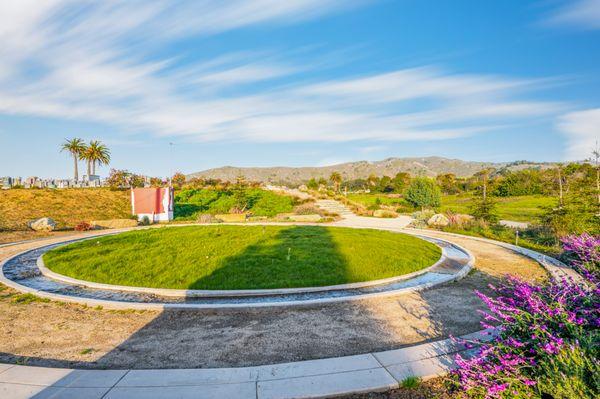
x=376 y=371
x=308 y=379
x=514 y=225
x=23 y=274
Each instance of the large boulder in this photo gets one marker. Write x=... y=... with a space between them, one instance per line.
x=43 y=224
x=438 y=220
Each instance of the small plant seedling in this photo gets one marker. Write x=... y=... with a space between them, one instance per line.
x=86 y=351
x=410 y=382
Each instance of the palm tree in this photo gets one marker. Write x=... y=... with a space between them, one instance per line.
x=75 y=147
x=96 y=152
x=336 y=179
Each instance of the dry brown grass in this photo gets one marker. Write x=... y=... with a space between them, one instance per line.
x=66 y=206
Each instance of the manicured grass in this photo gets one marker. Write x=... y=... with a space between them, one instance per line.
x=243 y=257
x=521 y=209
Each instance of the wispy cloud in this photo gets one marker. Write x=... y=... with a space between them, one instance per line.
x=580 y=14
x=97 y=62
x=582 y=129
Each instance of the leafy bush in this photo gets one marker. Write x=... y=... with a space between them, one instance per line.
x=145 y=221
x=83 y=226
x=485 y=209
x=583 y=252
x=423 y=193
x=548 y=342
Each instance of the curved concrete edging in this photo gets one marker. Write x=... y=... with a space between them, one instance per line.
x=307 y=379
x=114 y=304
x=230 y=293
x=378 y=371
x=555 y=267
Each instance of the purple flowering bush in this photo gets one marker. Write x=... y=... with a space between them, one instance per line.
x=548 y=341
x=583 y=253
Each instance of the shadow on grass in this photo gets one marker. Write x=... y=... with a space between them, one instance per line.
x=244 y=337
x=187 y=211
x=299 y=256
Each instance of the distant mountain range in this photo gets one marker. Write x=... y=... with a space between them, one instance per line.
x=428 y=166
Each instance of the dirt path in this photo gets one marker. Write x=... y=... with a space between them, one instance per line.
x=54 y=334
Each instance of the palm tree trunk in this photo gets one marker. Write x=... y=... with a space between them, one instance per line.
x=89 y=168
x=94 y=167
x=76 y=172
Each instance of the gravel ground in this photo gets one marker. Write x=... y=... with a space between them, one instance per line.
x=66 y=335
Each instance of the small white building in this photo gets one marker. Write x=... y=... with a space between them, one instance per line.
x=155 y=203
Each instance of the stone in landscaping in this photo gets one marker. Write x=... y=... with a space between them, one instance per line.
x=43 y=224
x=438 y=220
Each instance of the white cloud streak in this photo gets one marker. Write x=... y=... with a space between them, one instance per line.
x=581 y=14
x=582 y=129
x=94 y=62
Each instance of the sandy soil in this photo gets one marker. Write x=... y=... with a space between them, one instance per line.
x=54 y=334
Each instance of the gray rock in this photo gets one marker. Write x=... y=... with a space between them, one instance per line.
x=438 y=220
x=43 y=224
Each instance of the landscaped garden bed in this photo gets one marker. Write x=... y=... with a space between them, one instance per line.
x=243 y=257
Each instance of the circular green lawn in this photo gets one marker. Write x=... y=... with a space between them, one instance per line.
x=243 y=257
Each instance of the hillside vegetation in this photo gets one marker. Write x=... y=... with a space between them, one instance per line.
x=191 y=202
x=426 y=166
x=67 y=207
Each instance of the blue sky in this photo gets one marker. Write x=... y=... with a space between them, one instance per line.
x=189 y=85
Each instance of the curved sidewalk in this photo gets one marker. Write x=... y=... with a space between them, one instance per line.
x=453 y=265
x=369 y=372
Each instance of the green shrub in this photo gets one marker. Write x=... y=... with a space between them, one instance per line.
x=423 y=193
x=145 y=221
x=485 y=209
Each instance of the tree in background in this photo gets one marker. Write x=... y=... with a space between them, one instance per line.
x=156 y=182
x=178 y=180
x=400 y=182
x=98 y=154
x=385 y=185
x=119 y=179
x=312 y=184
x=336 y=179
x=484 y=207
x=322 y=182
x=75 y=147
x=372 y=181
x=447 y=183
x=424 y=193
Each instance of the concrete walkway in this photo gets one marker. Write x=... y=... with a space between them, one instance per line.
x=307 y=379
